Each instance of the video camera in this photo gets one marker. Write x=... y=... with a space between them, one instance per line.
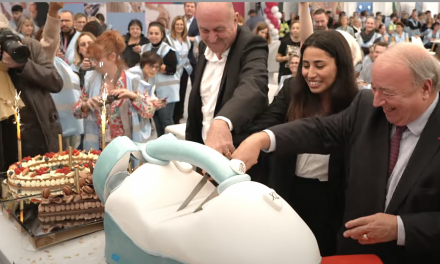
x=9 y=43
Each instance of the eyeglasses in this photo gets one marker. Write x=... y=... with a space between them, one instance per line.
x=155 y=67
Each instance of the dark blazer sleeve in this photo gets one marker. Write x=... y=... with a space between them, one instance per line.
x=275 y=114
x=250 y=95
x=39 y=69
x=318 y=135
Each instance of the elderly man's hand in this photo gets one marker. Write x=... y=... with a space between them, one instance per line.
x=9 y=62
x=373 y=229
x=220 y=138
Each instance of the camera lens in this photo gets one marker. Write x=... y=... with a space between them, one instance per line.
x=19 y=53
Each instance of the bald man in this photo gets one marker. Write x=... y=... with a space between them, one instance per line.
x=392 y=143
x=231 y=83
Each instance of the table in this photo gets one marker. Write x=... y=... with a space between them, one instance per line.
x=15 y=248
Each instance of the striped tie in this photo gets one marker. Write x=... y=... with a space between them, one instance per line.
x=394 y=148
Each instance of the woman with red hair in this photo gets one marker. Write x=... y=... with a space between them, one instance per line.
x=129 y=102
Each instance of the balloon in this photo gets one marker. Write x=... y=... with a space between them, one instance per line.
x=274 y=21
x=267 y=10
x=265 y=17
x=274 y=9
x=271 y=4
x=278 y=15
x=270 y=16
x=275 y=32
x=278 y=26
x=267 y=20
x=271 y=27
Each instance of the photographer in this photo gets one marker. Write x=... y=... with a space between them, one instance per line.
x=30 y=72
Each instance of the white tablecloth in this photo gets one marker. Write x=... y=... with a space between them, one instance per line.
x=16 y=248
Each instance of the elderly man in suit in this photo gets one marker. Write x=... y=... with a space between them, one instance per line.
x=231 y=83
x=391 y=136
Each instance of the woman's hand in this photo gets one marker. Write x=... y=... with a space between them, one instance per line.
x=124 y=93
x=86 y=64
x=249 y=150
x=94 y=103
x=137 y=48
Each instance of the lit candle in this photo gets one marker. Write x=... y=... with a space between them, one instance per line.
x=104 y=112
x=17 y=122
x=21 y=211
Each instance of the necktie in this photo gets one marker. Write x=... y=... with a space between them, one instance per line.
x=394 y=148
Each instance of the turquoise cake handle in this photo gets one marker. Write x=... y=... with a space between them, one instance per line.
x=115 y=157
x=168 y=147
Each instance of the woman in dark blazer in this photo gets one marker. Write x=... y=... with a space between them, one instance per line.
x=325 y=84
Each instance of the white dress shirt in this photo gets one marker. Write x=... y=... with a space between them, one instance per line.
x=407 y=144
x=209 y=88
x=188 y=22
x=312 y=166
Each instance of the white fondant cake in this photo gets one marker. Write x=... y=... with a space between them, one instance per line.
x=247 y=223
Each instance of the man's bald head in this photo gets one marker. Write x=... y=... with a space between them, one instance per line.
x=422 y=64
x=218 y=25
x=224 y=8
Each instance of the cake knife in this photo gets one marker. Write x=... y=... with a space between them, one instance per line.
x=195 y=191
x=212 y=195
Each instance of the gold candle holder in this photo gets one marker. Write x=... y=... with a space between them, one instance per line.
x=20 y=156
x=60 y=143
x=78 y=188
x=130 y=168
x=70 y=157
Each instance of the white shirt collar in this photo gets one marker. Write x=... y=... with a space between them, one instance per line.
x=189 y=20
x=211 y=56
x=417 y=126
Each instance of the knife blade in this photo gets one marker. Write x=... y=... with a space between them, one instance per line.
x=194 y=192
x=212 y=195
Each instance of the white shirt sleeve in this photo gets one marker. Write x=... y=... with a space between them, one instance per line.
x=272 y=145
x=400 y=232
x=226 y=120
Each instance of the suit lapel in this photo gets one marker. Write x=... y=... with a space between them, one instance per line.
x=225 y=73
x=426 y=148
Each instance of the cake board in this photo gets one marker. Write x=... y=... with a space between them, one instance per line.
x=33 y=227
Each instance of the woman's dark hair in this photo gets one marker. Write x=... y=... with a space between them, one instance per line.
x=42 y=10
x=135 y=22
x=303 y=102
x=93 y=27
x=150 y=57
x=160 y=26
x=435 y=24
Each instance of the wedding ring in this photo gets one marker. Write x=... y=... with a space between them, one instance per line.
x=365 y=237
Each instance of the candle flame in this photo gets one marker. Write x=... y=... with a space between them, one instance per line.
x=104 y=111
x=17 y=113
x=21 y=210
